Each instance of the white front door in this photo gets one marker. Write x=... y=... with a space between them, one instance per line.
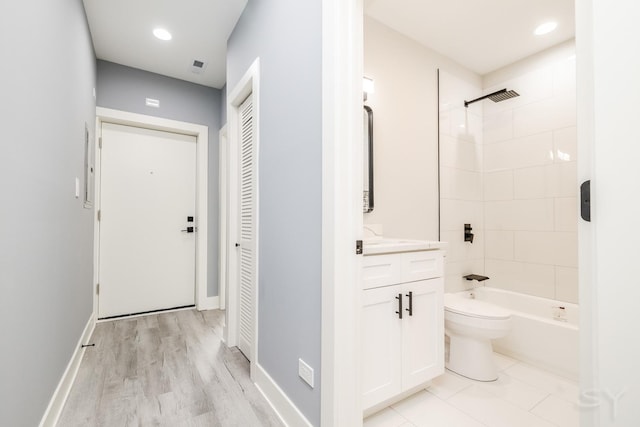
x=147 y=251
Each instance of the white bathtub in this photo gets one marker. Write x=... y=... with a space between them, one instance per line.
x=542 y=334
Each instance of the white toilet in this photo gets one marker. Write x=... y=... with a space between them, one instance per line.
x=471 y=325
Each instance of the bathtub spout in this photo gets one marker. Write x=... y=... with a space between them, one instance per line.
x=477 y=277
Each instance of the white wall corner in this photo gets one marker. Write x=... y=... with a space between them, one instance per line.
x=60 y=395
x=342 y=53
x=288 y=413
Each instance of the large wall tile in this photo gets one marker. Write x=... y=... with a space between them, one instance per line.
x=565 y=144
x=460 y=154
x=555 y=180
x=498 y=126
x=553 y=248
x=445 y=123
x=532 y=150
x=498 y=185
x=459 y=250
x=455 y=213
x=562 y=180
x=531 y=183
x=567 y=284
x=530 y=177
x=466 y=126
x=564 y=74
x=546 y=115
x=499 y=244
x=532 y=215
x=532 y=279
x=566 y=214
x=460 y=184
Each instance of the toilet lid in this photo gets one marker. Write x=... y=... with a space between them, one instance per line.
x=474 y=308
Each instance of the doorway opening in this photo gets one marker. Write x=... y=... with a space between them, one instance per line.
x=199 y=135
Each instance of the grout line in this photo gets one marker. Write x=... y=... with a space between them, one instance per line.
x=538 y=404
x=406 y=420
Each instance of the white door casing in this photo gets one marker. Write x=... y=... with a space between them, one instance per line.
x=223 y=214
x=200 y=132
x=148 y=191
x=342 y=162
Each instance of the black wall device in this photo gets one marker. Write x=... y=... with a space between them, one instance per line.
x=585 y=201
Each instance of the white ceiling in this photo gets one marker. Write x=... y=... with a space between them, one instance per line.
x=482 y=35
x=122 y=33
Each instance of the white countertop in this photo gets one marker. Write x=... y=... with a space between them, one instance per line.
x=384 y=245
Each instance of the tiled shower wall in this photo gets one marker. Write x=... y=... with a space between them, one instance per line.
x=509 y=170
x=530 y=187
x=461 y=200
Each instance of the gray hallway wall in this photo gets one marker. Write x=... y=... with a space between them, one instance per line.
x=46 y=236
x=125 y=88
x=287 y=36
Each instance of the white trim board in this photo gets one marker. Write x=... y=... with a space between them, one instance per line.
x=289 y=414
x=106 y=115
x=223 y=215
x=60 y=396
x=342 y=175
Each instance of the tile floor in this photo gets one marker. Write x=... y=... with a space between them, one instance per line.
x=523 y=396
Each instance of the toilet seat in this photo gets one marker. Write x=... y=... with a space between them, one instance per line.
x=474 y=308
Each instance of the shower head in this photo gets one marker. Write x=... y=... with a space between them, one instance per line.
x=499 y=96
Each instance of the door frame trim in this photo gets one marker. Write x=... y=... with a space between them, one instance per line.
x=201 y=133
x=342 y=180
x=223 y=215
x=249 y=84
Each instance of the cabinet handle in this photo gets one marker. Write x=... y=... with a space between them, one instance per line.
x=399 y=312
x=410 y=309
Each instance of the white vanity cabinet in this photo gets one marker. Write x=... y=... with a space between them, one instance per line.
x=402 y=322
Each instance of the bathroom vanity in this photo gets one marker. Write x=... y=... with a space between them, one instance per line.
x=402 y=318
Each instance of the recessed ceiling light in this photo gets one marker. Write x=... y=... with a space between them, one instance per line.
x=162 y=34
x=545 y=28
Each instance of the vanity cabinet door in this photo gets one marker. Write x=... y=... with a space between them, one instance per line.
x=422 y=332
x=381 y=344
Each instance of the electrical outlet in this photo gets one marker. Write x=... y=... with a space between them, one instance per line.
x=305 y=372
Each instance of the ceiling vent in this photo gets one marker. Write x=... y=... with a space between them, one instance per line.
x=197 y=66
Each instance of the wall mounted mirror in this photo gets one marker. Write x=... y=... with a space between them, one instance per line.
x=368 y=160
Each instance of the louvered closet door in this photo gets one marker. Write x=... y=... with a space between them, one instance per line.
x=247 y=200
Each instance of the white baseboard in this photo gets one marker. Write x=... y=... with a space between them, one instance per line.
x=210 y=303
x=59 y=398
x=284 y=407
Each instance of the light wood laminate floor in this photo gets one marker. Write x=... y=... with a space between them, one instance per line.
x=169 y=369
